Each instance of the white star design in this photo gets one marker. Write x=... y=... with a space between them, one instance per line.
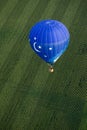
x=50 y=48
x=35 y=38
x=47 y=22
x=45 y=56
x=39 y=47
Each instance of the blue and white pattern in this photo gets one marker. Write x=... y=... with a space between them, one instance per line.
x=49 y=39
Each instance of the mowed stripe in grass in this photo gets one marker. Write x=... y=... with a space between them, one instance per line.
x=49 y=11
x=22 y=57
x=6 y=11
x=2 y=4
x=60 y=9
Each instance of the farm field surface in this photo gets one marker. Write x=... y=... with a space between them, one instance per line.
x=32 y=98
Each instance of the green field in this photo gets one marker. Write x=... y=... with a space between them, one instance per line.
x=31 y=98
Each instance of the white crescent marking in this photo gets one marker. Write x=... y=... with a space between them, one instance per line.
x=35 y=47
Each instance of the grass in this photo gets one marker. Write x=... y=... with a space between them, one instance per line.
x=30 y=97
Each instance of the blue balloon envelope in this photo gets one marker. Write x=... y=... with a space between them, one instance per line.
x=49 y=39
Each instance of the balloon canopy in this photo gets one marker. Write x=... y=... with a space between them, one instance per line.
x=49 y=39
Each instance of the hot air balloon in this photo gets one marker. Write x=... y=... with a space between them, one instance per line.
x=49 y=39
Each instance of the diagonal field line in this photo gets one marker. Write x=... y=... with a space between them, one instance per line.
x=70 y=12
x=6 y=11
x=2 y=5
x=49 y=11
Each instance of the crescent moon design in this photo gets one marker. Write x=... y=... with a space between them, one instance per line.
x=35 y=47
